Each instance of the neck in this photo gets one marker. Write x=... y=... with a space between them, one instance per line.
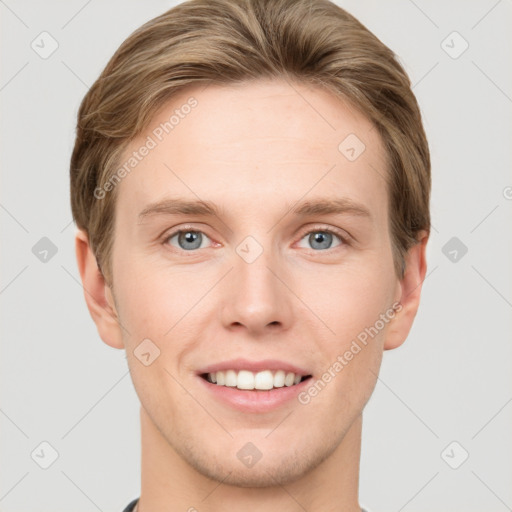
x=169 y=483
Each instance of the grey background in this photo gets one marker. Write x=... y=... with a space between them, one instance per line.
x=450 y=381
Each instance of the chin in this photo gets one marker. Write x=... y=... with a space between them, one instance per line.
x=278 y=464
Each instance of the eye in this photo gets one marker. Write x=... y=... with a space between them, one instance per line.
x=321 y=239
x=187 y=239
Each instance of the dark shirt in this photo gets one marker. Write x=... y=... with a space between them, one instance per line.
x=131 y=506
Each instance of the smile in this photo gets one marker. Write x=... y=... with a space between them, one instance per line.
x=247 y=380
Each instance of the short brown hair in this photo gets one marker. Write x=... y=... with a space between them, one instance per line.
x=228 y=41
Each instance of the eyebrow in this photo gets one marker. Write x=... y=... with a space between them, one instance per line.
x=325 y=206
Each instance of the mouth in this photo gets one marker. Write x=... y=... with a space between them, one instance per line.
x=251 y=386
x=246 y=380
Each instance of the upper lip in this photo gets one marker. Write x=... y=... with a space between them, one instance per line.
x=254 y=366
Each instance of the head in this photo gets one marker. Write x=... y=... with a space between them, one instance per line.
x=261 y=112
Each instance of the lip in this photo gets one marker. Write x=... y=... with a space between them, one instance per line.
x=254 y=401
x=254 y=366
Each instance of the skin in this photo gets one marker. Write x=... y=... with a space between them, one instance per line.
x=253 y=149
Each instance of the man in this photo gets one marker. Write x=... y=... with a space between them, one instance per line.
x=251 y=184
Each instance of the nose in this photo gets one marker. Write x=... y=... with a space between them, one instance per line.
x=257 y=298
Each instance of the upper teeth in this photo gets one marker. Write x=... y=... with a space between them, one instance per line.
x=245 y=379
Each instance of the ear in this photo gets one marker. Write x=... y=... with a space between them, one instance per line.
x=409 y=292
x=97 y=293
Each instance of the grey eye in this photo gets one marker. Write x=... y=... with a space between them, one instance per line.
x=321 y=239
x=188 y=240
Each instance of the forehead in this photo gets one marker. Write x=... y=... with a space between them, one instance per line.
x=243 y=142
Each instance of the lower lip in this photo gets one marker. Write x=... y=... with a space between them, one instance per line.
x=257 y=401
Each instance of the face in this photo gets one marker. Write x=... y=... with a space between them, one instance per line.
x=285 y=271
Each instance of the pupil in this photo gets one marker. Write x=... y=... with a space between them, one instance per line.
x=190 y=237
x=321 y=238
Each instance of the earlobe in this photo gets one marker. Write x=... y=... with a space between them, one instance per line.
x=97 y=293
x=410 y=286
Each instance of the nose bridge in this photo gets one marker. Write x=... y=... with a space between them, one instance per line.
x=257 y=298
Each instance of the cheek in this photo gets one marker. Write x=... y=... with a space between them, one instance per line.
x=348 y=300
x=156 y=299
x=351 y=305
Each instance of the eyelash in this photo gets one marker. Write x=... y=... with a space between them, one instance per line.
x=317 y=229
